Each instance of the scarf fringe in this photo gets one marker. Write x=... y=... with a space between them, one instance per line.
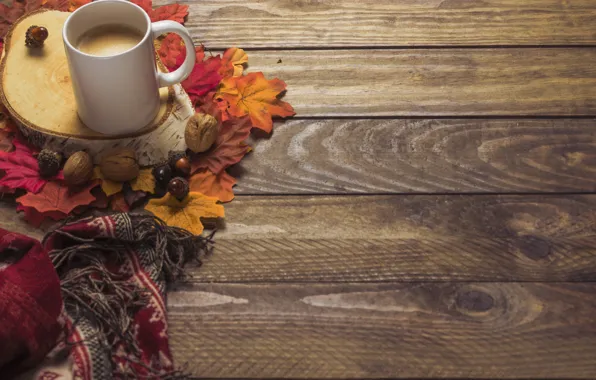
x=92 y=290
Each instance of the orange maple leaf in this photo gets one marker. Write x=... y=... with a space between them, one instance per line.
x=187 y=213
x=73 y=5
x=58 y=197
x=213 y=185
x=232 y=62
x=174 y=12
x=256 y=96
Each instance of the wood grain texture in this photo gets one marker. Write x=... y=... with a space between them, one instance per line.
x=435 y=82
x=328 y=23
x=473 y=330
x=396 y=238
x=405 y=238
x=422 y=156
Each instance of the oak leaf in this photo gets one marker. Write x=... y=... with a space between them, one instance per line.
x=56 y=196
x=174 y=12
x=108 y=187
x=187 y=213
x=255 y=96
x=232 y=62
x=145 y=181
x=21 y=169
x=228 y=149
x=213 y=185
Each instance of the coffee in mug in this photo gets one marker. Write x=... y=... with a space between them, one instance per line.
x=112 y=62
x=110 y=39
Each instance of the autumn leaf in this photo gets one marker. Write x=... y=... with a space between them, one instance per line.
x=145 y=181
x=169 y=50
x=56 y=196
x=59 y=5
x=174 y=12
x=228 y=149
x=232 y=62
x=118 y=203
x=22 y=170
x=213 y=185
x=36 y=218
x=76 y=4
x=108 y=187
x=207 y=104
x=187 y=213
x=101 y=199
x=203 y=78
x=147 y=5
x=255 y=96
x=134 y=198
x=8 y=15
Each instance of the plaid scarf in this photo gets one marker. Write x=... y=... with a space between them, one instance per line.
x=93 y=294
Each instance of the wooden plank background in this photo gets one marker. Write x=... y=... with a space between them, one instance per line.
x=282 y=24
x=429 y=213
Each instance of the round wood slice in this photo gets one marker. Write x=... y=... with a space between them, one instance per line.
x=37 y=91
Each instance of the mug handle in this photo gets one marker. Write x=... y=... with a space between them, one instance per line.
x=168 y=79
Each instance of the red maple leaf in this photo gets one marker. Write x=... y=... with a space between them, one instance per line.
x=169 y=50
x=209 y=105
x=36 y=218
x=174 y=12
x=58 y=197
x=9 y=14
x=22 y=170
x=147 y=5
x=229 y=148
x=204 y=78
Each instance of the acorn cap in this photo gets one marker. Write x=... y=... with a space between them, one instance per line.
x=49 y=163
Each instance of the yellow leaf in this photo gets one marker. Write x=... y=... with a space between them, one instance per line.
x=232 y=62
x=144 y=182
x=108 y=187
x=187 y=213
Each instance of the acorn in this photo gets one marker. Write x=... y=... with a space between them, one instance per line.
x=35 y=36
x=78 y=169
x=120 y=165
x=201 y=132
x=182 y=167
x=49 y=163
x=178 y=187
x=163 y=174
x=174 y=156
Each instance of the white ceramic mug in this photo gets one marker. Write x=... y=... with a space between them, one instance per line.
x=119 y=94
